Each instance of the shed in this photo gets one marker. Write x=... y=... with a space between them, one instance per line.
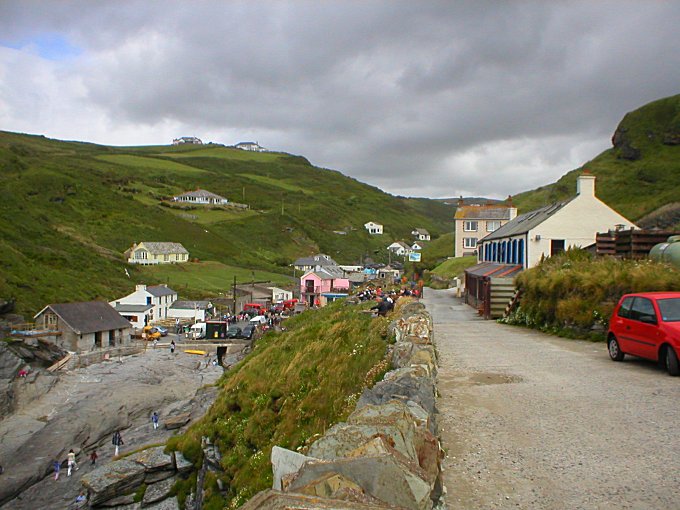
x=489 y=287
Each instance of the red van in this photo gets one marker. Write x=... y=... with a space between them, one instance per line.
x=289 y=304
x=647 y=325
x=253 y=306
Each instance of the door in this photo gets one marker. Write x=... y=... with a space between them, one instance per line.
x=622 y=326
x=644 y=328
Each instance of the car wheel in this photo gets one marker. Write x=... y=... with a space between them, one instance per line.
x=672 y=364
x=615 y=352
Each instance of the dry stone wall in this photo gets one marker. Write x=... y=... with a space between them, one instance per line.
x=387 y=454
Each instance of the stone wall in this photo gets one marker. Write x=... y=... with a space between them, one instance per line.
x=387 y=454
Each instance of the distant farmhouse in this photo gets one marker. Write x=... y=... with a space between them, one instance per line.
x=250 y=146
x=373 y=228
x=421 y=234
x=192 y=140
x=150 y=253
x=201 y=197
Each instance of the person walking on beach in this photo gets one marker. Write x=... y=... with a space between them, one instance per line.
x=93 y=457
x=57 y=467
x=117 y=441
x=154 y=420
x=71 y=461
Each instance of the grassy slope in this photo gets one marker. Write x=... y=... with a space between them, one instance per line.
x=292 y=386
x=70 y=209
x=633 y=188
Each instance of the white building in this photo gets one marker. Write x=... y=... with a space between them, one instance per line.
x=400 y=248
x=200 y=197
x=373 y=228
x=552 y=229
x=191 y=140
x=194 y=311
x=152 y=304
x=250 y=146
x=420 y=234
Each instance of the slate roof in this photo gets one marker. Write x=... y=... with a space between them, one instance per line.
x=421 y=231
x=190 y=305
x=525 y=222
x=164 y=248
x=201 y=193
x=123 y=308
x=482 y=212
x=329 y=272
x=88 y=317
x=401 y=244
x=494 y=270
x=316 y=260
x=160 y=290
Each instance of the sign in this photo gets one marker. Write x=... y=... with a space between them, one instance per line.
x=414 y=257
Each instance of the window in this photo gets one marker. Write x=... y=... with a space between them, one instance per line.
x=470 y=226
x=556 y=246
x=670 y=309
x=469 y=242
x=624 y=309
x=51 y=319
x=491 y=226
x=643 y=309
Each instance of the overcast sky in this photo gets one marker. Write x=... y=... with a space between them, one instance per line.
x=419 y=98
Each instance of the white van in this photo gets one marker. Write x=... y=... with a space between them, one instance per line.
x=197 y=331
x=259 y=319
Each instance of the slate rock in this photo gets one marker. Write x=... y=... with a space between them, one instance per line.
x=284 y=463
x=275 y=500
x=402 y=384
x=166 y=504
x=178 y=421
x=112 y=480
x=153 y=459
x=182 y=465
x=157 y=491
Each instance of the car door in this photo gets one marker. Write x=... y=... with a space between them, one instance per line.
x=645 y=328
x=622 y=326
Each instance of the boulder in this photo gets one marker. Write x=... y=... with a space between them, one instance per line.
x=157 y=491
x=166 y=504
x=386 y=477
x=153 y=459
x=113 y=479
x=175 y=422
x=182 y=465
x=402 y=384
x=275 y=500
x=284 y=463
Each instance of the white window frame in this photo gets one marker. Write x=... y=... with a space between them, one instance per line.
x=493 y=223
x=470 y=226
x=470 y=243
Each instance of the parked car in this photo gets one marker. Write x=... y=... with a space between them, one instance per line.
x=249 y=331
x=259 y=319
x=647 y=325
x=163 y=331
x=234 y=332
x=151 y=333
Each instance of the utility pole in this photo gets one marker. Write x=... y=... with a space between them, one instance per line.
x=233 y=311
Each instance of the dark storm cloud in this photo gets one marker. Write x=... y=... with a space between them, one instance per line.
x=419 y=98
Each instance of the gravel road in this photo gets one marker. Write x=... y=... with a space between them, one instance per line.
x=534 y=421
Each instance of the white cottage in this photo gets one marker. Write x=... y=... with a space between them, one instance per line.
x=146 y=304
x=373 y=228
x=552 y=229
x=201 y=197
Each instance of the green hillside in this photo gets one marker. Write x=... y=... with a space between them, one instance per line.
x=70 y=210
x=639 y=175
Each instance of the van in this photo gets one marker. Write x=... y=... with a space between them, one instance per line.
x=197 y=330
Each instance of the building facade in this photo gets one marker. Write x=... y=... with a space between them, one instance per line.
x=473 y=222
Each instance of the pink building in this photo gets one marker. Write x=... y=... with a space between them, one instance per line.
x=323 y=285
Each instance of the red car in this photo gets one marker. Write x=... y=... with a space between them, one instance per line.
x=647 y=325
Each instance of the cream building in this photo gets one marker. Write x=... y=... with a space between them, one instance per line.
x=552 y=229
x=149 y=253
x=473 y=222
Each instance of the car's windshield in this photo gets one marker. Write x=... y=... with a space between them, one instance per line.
x=670 y=309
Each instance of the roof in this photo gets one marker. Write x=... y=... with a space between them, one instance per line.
x=88 y=317
x=373 y=223
x=329 y=272
x=494 y=270
x=402 y=244
x=315 y=260
x=160 y=290
x=122 y=308
x=163 y=248
x=525 y=222
x=201 y=193
x=190 y=305
x=421 y=231
x=482 y=212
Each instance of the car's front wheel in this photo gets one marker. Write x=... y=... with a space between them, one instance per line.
x=614 y=349
x=672 y=364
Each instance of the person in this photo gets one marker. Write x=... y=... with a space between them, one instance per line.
x=80 y=497
x=57 y=467
x=382 y=307
x=154 y=420
x=71 y=462
x=23 y=372
x=172 y=347
x=155 y=342
x=93 y=457
x=117 y=441
x=177 y=326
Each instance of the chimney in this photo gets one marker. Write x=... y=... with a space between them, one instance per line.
x=461 y=202
x=585 y=184
x=140 y=287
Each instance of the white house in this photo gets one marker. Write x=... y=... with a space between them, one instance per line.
x=373 y=228
x=192 y=310
x=150 y=253
x=421 y=234
x=192 y=140
x=201 y=197
x=158 y=297
x=280 y=294
x=250 y=146
x=416 y=246
x=399 y=248
x=552 y=229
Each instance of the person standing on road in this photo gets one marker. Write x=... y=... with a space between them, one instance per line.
x=154 y=420
x=117 y=441
x=172 y=347
x=71 y=462
x=57 y=467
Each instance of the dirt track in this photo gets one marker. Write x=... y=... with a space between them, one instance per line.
x=534 y=421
